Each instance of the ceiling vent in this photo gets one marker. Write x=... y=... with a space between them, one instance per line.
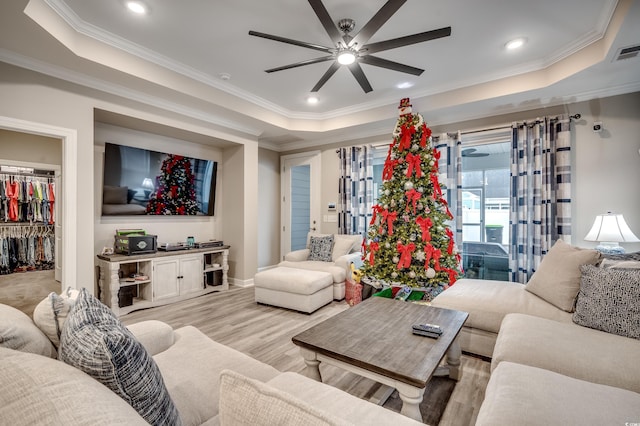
x=628 y=52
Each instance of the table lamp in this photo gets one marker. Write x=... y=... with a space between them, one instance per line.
x=610 y=229
x=147 y=185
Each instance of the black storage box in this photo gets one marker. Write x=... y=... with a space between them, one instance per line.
x=214 y=277
x=135 y=244
x=126 y=295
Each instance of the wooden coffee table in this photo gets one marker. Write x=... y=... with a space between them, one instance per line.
x=373 y=339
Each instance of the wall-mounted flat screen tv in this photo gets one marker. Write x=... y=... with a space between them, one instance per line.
x=144 y=182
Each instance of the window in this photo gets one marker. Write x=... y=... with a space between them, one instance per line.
x=485 y=210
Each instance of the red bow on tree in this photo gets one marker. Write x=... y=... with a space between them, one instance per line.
x=437 y=191
x=373 y=248
x=428 y=251
x=405 y=136
x=412 y=197
x=387 y=171
x=405 y=254
x=389 y=217
x=446 y=208
x=426 y=132
x=413 y=162
x=453 y=275
x=425 y=224
x=450 y=235
x=376 y=209
x=436 y=156
x=437 y=254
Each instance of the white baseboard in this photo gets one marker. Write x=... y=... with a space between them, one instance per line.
x=241 y=283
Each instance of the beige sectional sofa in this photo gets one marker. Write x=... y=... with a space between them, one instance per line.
x=564 y=348
x=208 y=382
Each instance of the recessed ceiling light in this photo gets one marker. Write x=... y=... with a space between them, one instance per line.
x=137 y=7
x=404 y=85
x=313 y=99
x=516 y=43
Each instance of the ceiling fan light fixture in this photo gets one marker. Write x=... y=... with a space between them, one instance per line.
x=346 y=57
x=313 y=99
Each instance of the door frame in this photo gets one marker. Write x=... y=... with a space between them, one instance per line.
x=69 y=188
x=313 y=158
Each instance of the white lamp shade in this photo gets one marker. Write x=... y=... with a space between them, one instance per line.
x=147 y=183
x=611 y=227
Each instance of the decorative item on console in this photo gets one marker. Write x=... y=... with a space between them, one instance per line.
x=134 y=241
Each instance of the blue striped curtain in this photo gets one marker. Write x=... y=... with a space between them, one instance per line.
x=540 y=211
x=355 y=189
x=450 y=174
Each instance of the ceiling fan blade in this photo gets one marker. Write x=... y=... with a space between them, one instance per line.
x=357 y=72
x=327 y=75
x=384 y=63
x=407 y=40
x=290 y=41
x=326 y=21
x=301 y=63
x=378 y=20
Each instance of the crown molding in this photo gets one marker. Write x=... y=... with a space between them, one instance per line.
x=121 y=91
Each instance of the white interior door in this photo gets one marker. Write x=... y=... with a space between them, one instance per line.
x=300 y=186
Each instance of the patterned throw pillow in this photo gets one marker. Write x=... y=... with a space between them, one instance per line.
x=320 y=248
x=94 y=341
x=609 y=300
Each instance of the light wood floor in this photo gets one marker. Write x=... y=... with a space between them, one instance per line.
x=263 y=332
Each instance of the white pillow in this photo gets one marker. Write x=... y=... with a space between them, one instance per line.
x=51 y=313
x=557 y=279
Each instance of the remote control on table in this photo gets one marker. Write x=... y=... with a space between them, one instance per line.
x=426 y=333
x=431 y=328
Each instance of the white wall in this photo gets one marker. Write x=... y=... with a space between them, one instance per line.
x=169 y=229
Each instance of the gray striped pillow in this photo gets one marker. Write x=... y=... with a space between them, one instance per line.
x=94 y=341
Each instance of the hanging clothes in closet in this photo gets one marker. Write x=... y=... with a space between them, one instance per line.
x=25 y=248
x=29 y=199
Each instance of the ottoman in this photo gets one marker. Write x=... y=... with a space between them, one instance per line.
x=292 y=288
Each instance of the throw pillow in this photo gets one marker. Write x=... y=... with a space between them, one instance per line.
x=96 y=342
x=114 y=194
x=245 y=401
x=50 y=314
x=343 y=244
x=320 y=248
x=609 y=300
x=557 y=279
x=18 y=332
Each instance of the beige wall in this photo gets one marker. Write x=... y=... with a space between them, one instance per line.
x=33 y=97
x=26 y=147
x=268 y=207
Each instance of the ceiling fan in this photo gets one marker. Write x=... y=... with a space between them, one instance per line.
x=471 y=152
x=352 y=51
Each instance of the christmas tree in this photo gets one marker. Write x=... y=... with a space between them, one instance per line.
x=175 y=192
x=409 y=242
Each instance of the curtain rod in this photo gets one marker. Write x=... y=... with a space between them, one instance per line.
x=571 y=117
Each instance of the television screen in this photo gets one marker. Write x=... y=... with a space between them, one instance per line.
x=144 y=182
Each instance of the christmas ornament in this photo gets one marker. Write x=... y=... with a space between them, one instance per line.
x=431 y=273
